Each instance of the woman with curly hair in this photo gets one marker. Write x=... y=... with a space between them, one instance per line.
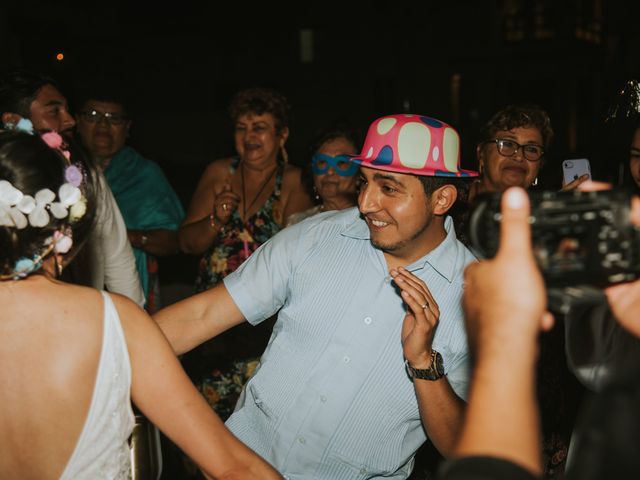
x=240 y=202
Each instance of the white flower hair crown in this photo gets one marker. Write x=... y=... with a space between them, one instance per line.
x=19 y=210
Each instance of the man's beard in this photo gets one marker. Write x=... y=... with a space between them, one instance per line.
x=400 y=244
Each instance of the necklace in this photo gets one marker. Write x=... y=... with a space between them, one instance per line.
x=246 y=209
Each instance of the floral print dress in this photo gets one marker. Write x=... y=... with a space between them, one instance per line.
x=221 y=366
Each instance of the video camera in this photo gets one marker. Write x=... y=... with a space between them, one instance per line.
x=579 y=238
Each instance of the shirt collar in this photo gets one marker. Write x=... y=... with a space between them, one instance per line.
x=442 y=259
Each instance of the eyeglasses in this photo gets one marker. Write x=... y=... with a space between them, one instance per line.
x=94 y=116
x=508 y=148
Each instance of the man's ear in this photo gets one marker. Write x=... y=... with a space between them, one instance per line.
x=10 y=117
x=443 y=199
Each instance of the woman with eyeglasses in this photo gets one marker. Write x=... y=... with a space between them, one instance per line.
x=511 y=152
x=330 y=178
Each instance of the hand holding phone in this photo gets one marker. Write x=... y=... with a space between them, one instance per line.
x=575 y=168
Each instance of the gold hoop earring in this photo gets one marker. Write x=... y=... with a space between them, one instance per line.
x=285 y=155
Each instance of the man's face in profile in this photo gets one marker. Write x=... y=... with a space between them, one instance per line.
x=49 y=111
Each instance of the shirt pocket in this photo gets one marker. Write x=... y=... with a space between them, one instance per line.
x=386 y=443
x=345 y=467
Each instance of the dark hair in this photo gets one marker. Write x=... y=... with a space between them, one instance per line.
x=18 y=88
x=459 y=211
x=107 y=89
x=334 y=132
x=627 y=179
x=260 y=101
x=515 y=116
x=30 y=165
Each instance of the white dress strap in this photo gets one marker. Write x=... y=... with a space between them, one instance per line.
x=102 y=450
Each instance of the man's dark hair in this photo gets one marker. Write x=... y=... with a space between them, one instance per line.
x=19 y=88
x=459 y=211
x=431 y=184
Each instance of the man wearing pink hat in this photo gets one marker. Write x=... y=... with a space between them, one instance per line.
x=368 y=356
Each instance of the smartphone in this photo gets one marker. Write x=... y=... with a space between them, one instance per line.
x=574 y=168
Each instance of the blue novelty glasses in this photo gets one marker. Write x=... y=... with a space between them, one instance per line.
x=342 y=166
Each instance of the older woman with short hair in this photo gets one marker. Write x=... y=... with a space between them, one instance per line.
x=239 y=203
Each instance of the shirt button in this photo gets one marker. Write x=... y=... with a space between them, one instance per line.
x=367 y=320
x=323 y=399
x=346 y=359
x=363 y=471
x=302 y=440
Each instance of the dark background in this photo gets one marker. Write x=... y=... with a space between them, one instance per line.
x=458 y=61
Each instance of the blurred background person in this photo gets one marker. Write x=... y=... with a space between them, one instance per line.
x=107 y=261
x=512 y=150
x=634 y=157
x=240 y=202
x=330 y=178
x=150 y=207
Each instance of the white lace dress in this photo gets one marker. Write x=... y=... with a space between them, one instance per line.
x=102 y=451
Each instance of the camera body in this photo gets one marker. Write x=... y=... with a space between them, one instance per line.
x=579 y=238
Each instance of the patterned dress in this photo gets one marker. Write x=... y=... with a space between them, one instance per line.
x=221 y=366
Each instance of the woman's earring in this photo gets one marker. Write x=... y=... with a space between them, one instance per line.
x=535 y=182
x=315 y=195
x=283 y=152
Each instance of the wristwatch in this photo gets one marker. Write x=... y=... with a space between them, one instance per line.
x=434 y=372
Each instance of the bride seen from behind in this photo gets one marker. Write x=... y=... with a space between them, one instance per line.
x=72 y=356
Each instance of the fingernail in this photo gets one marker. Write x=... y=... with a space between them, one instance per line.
x=514 y=197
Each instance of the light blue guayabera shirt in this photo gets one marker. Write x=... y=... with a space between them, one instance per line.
x=331 y=399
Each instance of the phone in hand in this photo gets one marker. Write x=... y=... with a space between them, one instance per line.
x=574 y=168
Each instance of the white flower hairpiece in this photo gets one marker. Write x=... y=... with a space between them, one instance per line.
x=19 y=210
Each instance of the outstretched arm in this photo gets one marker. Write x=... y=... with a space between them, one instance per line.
x=196 y=319
x=182 y=414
